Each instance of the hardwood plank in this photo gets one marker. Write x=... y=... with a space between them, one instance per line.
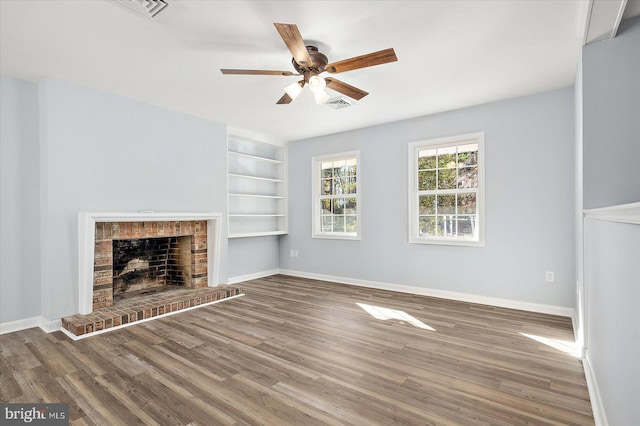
x=299 y=351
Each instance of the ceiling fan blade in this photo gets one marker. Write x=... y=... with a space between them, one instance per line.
x=256 y=72
x=292 y=38
x=285 y=99
x=369 y=60
x=345 y=89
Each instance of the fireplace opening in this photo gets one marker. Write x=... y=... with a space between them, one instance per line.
x=150 y=265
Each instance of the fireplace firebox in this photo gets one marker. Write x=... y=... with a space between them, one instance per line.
x=133 y=258
x=148 y=265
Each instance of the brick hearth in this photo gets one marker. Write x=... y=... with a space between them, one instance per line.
x=147 y=306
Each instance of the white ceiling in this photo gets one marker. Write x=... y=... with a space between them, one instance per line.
x=451 y=54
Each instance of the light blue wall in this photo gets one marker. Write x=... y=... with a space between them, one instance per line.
x=611 y=175
x=101 y=152
x=613 y=332
x=253 y=255
x=611 y=96
x=529 y=204
x=19 y=205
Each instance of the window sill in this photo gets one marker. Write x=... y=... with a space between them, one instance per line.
x=446 y=242
x=337 y=236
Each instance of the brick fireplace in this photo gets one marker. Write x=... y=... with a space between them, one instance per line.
x=178 y=249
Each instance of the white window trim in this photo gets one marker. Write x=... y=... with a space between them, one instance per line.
x=414 y=237
x=316 y=218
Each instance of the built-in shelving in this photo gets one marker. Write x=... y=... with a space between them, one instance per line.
x=257 y=188
x=254 y=157
x=256 y=196
x=239 y=175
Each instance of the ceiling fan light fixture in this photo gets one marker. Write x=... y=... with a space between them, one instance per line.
x=293 y=90
x=317 y=84
x=321 y=96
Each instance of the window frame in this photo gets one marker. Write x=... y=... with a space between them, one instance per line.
x=316 y=217
x=414 y=193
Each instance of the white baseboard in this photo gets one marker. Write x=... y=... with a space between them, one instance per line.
x=49 y=326
x=254 y=276
x=23 y=324
x=46 y=325
x=594 y=393
x=443 y=294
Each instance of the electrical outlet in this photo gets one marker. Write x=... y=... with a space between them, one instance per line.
x=293 y=253
x=550 y=276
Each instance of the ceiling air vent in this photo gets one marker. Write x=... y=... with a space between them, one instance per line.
x=339 y=102
x=148 y=8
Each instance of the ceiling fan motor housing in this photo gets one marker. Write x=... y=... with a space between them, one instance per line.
x=318 y=62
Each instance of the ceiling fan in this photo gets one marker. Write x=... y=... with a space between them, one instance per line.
x=310 y=63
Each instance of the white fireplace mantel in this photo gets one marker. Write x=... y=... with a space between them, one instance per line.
x=86 y=244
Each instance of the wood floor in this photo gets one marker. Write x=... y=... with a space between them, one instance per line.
x=297 y=351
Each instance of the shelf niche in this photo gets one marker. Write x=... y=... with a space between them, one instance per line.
x=257 y=188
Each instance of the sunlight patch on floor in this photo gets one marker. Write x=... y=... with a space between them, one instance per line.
x=381 y=313
x=565 y=346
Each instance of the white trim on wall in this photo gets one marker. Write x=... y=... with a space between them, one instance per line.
x=443 y=294
x=597 y=406
x=625 y=213
x=252 y=276
x=48 y=326
x=23 y=324
x=621 y=213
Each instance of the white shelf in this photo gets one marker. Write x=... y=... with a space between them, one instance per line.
x=256 y=188
x=255 y=177
x=275 y=197
x=256 y=215
x=254 y=157
x=257 y=234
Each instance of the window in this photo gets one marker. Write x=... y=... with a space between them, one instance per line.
x=336 y=196
x=446 y=191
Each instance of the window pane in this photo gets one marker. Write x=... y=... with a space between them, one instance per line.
x=338 y=206
x=447 y=204
x=326 y=187
x=447 y=179
x=339 y=168
x=426 y=159
x=467 y=203
x=327 y=223
x=447 y=157
x=427 y=204
x=467 y=226
x=351 y=187
x=468 y=155
x=468 y=177
x=351 y=207
x=326 y=169
x=445 y=225
x=352 y=167
x=427 y=226
x=351 y=224
x=325 y=207
x=427 y=180
x=339 y=185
